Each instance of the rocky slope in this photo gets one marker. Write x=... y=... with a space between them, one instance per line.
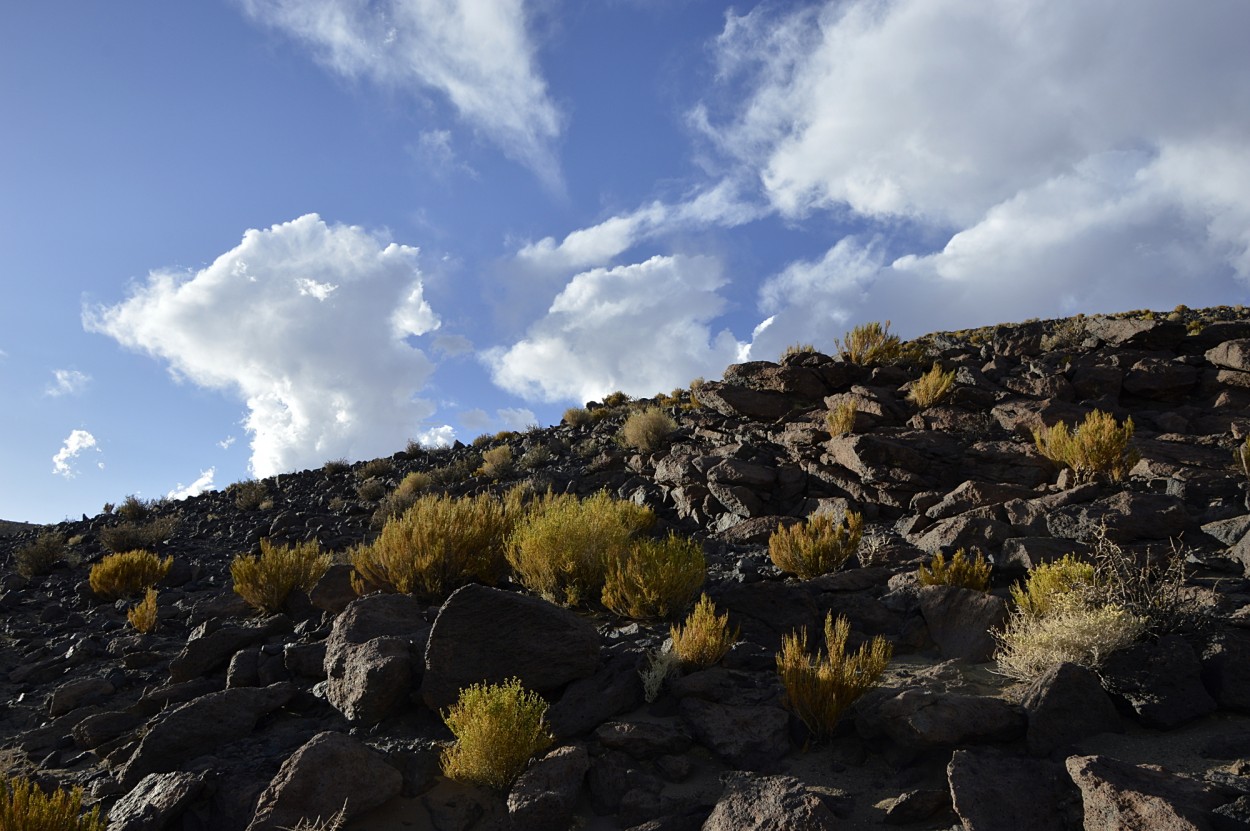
x=225 y=720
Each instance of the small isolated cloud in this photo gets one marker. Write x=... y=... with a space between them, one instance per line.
x=227 y=442
x=67 y=382
x=475 y=420
x=451 y=345
x=322 y=376
x=435 y=152
x=639 y=328
x=516 y=418
x=199 y=486
x=478 y=55
x=443 y=436
x=76 y=443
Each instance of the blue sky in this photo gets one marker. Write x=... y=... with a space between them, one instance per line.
x=240 y=237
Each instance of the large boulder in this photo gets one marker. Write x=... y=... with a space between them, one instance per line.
x=768 y=803
x=156 y=802
x=488 y=635
x=962 y=622
x=1064 y=706
x=992 y=791
x=1121 y=797
x=922 y=719
x=372 y=656
x=1161 y=682
x=544 y=796
x=747 y=737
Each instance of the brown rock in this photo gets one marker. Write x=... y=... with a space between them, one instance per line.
x=544 y=797
x=768 y=803
x=992 y=791
x=962 y=621
x=1121 y=797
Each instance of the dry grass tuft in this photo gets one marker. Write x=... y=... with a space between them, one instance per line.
x=819 y=546
x=498 y=729
x=577 y=417
x=931 y=387
x=962 y=570
x=24 y=807
x=1068 y=633
x=127 y=574
x=841 y=419
x=1100 y=445
x=497 y=462
x=655 y=579
x=647 y=430
x=704 y=637
x=266 y=581
x=870 y=344
x=142 y=615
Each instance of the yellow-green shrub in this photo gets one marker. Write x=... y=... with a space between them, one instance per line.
x=616 y=399
x=819 y=690
x=376 y=469
x=962 y=570
x=497 y=462
x=562 y=547
x=24 y=807
x=577 y=417
x=704 y=637
x=870 y=344
x=647 y=430
x=1099 y=445
x=267 y=580
x=819 y=546
x=40 y=556
x=436 y=546
x=841 y=419
x=931 y=387
x=127 y=574
x=1047 y=584
x=498 y=728
x=401 y=499
x=656 y=578
x=142 y=615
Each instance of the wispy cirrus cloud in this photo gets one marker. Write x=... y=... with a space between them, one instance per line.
x=66 y=382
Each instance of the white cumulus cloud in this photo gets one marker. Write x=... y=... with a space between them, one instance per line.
x=67 y=382
x=443 y=436
x=322 y=377
x=476 y=53
x=75 y=444
x=199 y=486
x=641 y=328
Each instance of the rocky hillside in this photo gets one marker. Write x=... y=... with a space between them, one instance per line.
x=224 y=719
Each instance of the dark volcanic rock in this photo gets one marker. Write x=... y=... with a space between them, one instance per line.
x=992 y=791
x=1121 y=797
x=1161 y=682
x=544 y=796
x=1065 y=705
x=768 y=803
x=962 y=622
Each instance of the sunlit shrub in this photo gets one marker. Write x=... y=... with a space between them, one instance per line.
x=436 y=546
x=703 y=637
x=1047 y=584
x=142 y=615
x=562 y=547
x=655 y=579
x=376 y=469
x=1100 y=445
x=962 y=570
x=371 y=490
x=931 y=387
x=819 y=546
x=616 y=399
x=841 y=419
x=498 y=729
x=820 y=689
x=798 y=349
x=265 y=581
x=24 y=807
x=577 y=417
x=127 y=574
x=497 y=462
x=134 y=509
x=401 y=499
x=40 y=556
x=1068 y=633
x=647 y=430
x=248 y=496
x=870 y=344
x=129 y=536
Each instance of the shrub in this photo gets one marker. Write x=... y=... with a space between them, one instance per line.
x=962 y=570
x=820 y=690
x=841 y=419
x=1241 y=453
x=655 y=579
x=577 y=417
x=265 y=581
x=482 y=440
x=335 y=466
x=376 y=469
x=647 y=430
x=817 y=547
x=371 y=490
x=40 y=556
x=537 y=456
x=248 y=496
x=798 y=349
x=616 y=399
x=497 y=462
x=1048 y=584
x=142 y=615
x=436 y=546
x=402 y=498
x=1151 y=590
x=498 y=728
x=870 y=344
x=931 y=387
x=561 y=548
x=1099 y=445
x=661 y=664
x=24 y=807
x=129 y=536
x=134 y=509
x=704 y=637
x=1069 y=633
x=127 y=574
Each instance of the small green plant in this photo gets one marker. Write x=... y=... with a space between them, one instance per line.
x=577 y=417
x=497 y=463
x=265 y=581
x=134 y=509
x=655 y=579
x=436 y=546
x=647 y=430
x=819 y=691
x=819 y=546
x=1048 y=585
x=931 y=387
x=249 y=495
x=127 y=574
x=129 y=536
x=870 y=344
x=25 y=807
x=562 y=547
x=498 y=729
x=142 y=615
x=841 y=419
x=962 y=570
x=798 y=349
x=40 y=556
x=1100 y=445
x=703 y=637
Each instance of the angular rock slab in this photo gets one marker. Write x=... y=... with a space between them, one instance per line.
x=544 y=796
x=369 y=664
x=768 y=803
x=487 y=635
x=992 y=791
x=156 y=802
x=1065 y=705
x=747 y=737
x=329 y=773
x=1118 y=796
x=962 y=621
x=1161 y=682
x=926 y=720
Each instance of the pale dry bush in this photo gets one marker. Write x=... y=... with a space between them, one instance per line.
x=498 y=462
x=841 y=419
x=819 y=546
x=1070 y=632
x=647 y=430
x=662 y=664
x=870 y=344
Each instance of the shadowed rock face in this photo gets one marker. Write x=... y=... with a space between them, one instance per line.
x=222 y=719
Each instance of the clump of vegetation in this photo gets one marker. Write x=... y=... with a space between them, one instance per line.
x=661 y=664
x=562 y=547
x=497 y=462
x=1048 y=583
x=616 y=399
x=647 y=430
x=376 y=469
x=498 y=729
x=841 y=419
x=265 y=581
x=25 y=807
x=483 y=440
x=128 y=536
x=931 y=387
x=870 y=344
x=371 y=490
x=1068 y=336
x=456 y=471
x=820 y=690
x=402 y=498
x=962 y=571
x=655 y=579
x=703 y=637
x=249 y=496
x=1100 y=445
x=336 y=466
x=819 y=546
x=134 y=509
x=577 y=417
x=1152 y=589
x=142 y=615
x=540 y=455
x=1069 y=633
x=40 y=556
x=127 y=574
x=798 y=349
x=436 y=546
x=1241 y=453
